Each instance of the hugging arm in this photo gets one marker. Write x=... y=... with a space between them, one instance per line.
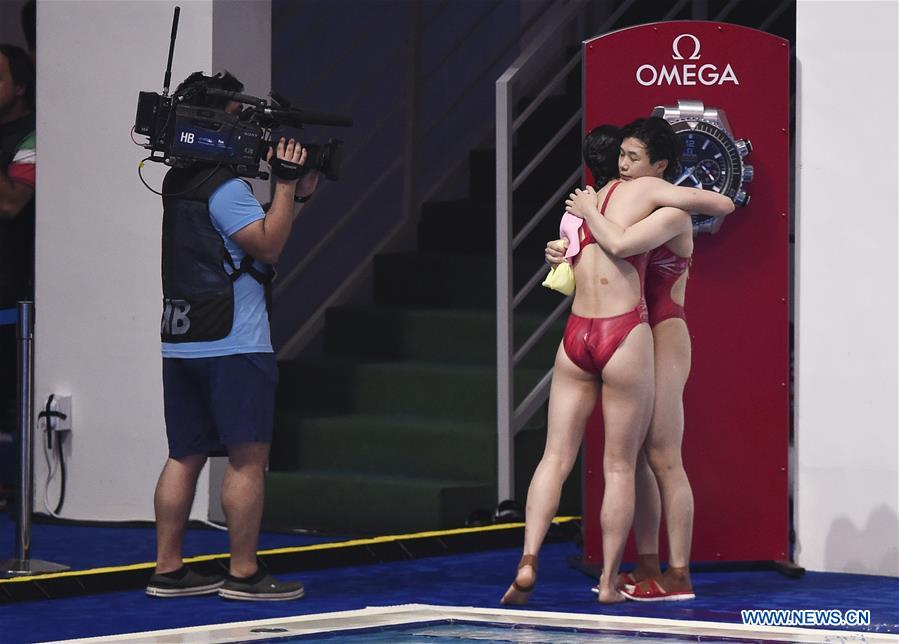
x=693 y=200
x=659 y=227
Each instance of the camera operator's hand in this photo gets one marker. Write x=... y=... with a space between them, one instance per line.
x=308 y=182
x=292 y=153
x=264 y=239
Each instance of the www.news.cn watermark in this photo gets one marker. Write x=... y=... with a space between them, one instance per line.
x=809 y=617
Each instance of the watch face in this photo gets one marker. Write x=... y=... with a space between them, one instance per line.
x=709 y=159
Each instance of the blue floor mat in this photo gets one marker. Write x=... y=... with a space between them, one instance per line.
x=83 y=547
x=477 y=579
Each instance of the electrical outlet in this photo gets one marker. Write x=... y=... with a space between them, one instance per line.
x=62 y=404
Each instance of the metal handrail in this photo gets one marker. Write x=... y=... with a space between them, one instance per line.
x=676 y=9
x=484 y=70
x=282 y=282
x=544 y=152
x=536 y=278
x=533 y=400
x=297 y=338
x=509 y=418
x=315 y=321
x=297 y=269
x=774 y=15
x=460 y=41
x=730 y=6
x=620 y=11
x=507 y=92
x=552 y=201
x=540 y=331
x=546 y=91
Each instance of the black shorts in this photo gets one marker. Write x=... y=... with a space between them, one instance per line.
x=211 y=403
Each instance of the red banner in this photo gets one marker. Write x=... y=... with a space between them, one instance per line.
x=736 y=401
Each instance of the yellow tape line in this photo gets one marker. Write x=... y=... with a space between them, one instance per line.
x=288 y=550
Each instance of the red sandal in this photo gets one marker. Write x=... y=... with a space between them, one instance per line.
x=649 y=590
x=625 y=579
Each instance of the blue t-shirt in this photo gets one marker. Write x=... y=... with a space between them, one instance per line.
x=232 y=207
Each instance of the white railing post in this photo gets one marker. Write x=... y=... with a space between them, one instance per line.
x=505 y=446
x=506 y=97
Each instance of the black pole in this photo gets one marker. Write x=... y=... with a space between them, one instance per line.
x=23 y=564
x=25 y=423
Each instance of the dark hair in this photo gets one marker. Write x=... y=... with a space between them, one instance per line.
x=660 y=140
x=22 y=70
x=601 y=146
x=193 y=88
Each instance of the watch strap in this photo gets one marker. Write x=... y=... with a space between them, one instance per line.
x=692 y=110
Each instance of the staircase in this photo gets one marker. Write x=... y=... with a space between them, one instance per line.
x=394 y=428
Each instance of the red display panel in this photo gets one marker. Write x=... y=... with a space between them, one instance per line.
x=736 y=401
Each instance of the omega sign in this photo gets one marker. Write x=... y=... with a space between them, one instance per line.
x=685 y=73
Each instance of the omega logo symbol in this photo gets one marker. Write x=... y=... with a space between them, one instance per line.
x=675 y=47
x=685 y=73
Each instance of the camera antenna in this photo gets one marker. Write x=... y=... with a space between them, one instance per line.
x=168 y=68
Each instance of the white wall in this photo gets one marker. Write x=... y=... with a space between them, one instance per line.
x=847 y=449
x=242 y=44
x=98 y=290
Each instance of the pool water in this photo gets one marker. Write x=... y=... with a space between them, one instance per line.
x=460 y=632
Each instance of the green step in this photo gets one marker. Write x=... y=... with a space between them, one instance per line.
x=424 y=335
x=462 y=392
x=354 y=503
x=406 y=446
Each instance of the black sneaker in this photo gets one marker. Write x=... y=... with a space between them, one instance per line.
x=183 y=582
x=260 y=587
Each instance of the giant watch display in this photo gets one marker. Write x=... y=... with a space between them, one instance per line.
x=711 y=159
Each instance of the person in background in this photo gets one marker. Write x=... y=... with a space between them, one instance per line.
x=18 y=166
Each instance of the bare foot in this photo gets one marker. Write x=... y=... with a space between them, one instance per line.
x=610 y=596
x=520 y=591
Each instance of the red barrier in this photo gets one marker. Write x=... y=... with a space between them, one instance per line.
x=736 y=402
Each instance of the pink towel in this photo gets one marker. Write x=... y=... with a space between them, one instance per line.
x=569 y=228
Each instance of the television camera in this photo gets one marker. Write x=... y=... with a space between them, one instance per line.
x=182 y=131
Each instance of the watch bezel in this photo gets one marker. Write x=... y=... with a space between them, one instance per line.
x=733 y=163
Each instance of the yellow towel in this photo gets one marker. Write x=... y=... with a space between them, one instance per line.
x=560 y=278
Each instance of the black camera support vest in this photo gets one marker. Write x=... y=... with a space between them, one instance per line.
x=198 y=291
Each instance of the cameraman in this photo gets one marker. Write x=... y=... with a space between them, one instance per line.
x=219 y=371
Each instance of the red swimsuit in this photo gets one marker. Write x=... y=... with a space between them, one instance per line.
x=664 y=269
x=591 y=342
